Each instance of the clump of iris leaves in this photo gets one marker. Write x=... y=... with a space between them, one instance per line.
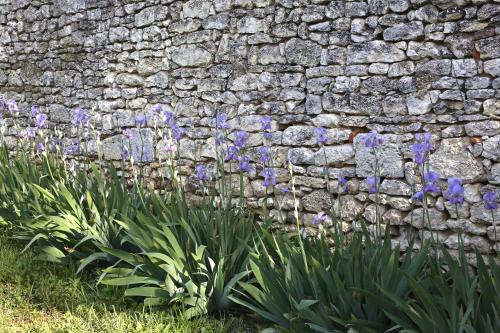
x=214 y=254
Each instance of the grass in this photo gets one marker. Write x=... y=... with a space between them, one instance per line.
x=38 y=296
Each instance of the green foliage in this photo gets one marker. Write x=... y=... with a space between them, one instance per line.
x=207 y=257
x=45 y=297
x=449 y=298
x=73 y=216
x=193 y=255
x=369 y=287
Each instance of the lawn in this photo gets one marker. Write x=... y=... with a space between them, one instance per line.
x=38 y=296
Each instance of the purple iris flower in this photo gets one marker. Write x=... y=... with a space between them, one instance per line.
x=430 y=179
x=128 y=133
x=141 y=120
x=30 y=132
x=269 y=177
x=321 y=135
x=40 y=120
x=425 y=138
x=373 y=184
x=80 y=117
x=265 y=154
x=268 y=135
x=201 y=173
x=244 y=163
x=241 y=139
x=124 y=151
x=266 y=123
x=56 y=142
x=343 y=183
x=73 y=149
x=490 y=200
x=422 y=147
x=419 y=196
x=419 y=152
x=455 y=191
x=373 y=140
x=34 y=111
x=283 y=189
x=177 y=132
x=219 y=138
x=221 y=121
x=320 y=217
x=40 y=147
x=156 y=109
x=169 y=118
x=12 y=106
x=232 y=153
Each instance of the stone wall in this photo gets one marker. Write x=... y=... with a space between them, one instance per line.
x=396 y=66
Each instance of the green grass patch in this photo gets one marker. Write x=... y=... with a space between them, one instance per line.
x=38 y=296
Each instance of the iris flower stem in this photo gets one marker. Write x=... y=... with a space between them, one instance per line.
x=494 y=230
x=328 y=189
x=377 y=197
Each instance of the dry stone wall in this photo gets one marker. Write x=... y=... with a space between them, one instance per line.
x=396 y=66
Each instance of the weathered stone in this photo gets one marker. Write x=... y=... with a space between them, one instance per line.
x=401 y=69
x=488 y=127
x=270 y=55
x=451 y=14
x=432 y=219
x=250 y=25
x=434 y=67
x=317 y=201
x=394 y=105
x=299 y=136
x=375 y=51
x=427 y=13
x=477 y=82
x=479 y=214
x=464 y=225
x=300 y=52
x=118 y=34
x=396 y=66
x=399 y=6
x=372 y=215
x=145 y=17
x=334 y=154
x=418 y=51
x=393 y=217
x=453 y=159
x=313 y=104
x=460 y=44
x=419 y=103
x=335 y=9
x=389 y=156
x=491 y=148
x=492 y=67
x=129 y=80
x=198 y=9
x=467 y=242
x=350 y=209
x=395 y=187
x=404 y=31
x=191 y=56
x=356 y=9
x=492 y=106
x=378 y=68
x=301 y=156
x=489 y=48
x=464 y=67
